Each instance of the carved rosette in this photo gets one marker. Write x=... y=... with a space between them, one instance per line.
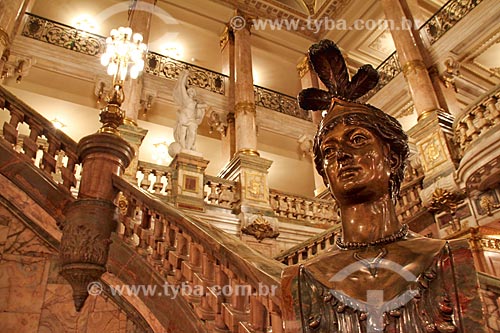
x=260 y=228
x=85 y=244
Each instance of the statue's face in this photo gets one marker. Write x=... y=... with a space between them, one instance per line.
x=356 y=164
x=191 y=92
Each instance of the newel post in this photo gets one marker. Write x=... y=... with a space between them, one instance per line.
x=91 y=218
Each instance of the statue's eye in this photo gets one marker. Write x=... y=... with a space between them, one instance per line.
x=358 y=139
x=328 y=151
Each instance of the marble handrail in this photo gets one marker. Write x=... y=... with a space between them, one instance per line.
x=235 y=286
x=477 y=119
x=46 y=147
x=312 y=247
x=295 y=207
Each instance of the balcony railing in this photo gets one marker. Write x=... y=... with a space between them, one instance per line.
x=476 y=120
x=70 y=38
x=446 y=17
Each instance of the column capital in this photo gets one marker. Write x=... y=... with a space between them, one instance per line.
x=304 y=66
x=4 y=39
x=242 y=21
x=245 y=108
x=226 y=36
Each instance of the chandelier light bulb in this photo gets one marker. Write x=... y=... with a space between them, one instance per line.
x=124 y=54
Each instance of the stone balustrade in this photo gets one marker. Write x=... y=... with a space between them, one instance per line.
x=313 y=247
x=39 y=142
x=476 y=120
x=311 y=210
x=230 y=287
x=220 y=192
x=409 y=203
x=155 y=178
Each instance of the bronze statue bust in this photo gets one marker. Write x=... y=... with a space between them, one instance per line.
x=380 y=277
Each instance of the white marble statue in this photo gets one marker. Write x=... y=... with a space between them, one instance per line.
x=189 y=115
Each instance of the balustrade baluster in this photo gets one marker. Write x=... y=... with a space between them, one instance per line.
x=68 y=172
x=157 y=184
x=472 y=131
x=30 y=145
x=48 y=160
x=259 y=316
x=145 y=184
x=144 y=232
x=207 y=280
x=10 y=132
x=213 y=195
x=217 y=299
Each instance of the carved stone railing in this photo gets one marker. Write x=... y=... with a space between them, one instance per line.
x=46 y=147
x=476 y=120
x=279 y=102
x=155 y=178
x=294 y=207
x=309 y=249
x=387 y=70
x=220 y=192
x=230 y=287
x=446 y=17
x=409 y=205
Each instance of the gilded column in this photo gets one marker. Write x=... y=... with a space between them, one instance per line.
x=228 y=68
x=244 y=108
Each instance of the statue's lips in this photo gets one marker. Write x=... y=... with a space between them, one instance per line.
x=348 y=171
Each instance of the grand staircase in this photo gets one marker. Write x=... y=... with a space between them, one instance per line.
x=167 y=271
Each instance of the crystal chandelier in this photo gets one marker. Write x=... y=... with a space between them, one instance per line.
x=124 y=56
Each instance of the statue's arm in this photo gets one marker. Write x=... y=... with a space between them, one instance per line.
x=180 y=92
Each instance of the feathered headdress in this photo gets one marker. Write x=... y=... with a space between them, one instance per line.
x=328 y=62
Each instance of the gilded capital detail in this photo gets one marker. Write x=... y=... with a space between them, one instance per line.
x=303 y=67
x=413 y=66
x=4 y=38
x=245 y=108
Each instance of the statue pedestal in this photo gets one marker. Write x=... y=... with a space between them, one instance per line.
x=188 y=182
x=257 y=217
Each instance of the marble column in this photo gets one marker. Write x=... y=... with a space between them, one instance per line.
x=244 y=107
x=246 y=166
x=433 y=133
x=408 y=44
x=140 y=22
x=308 y=79
x=11 y=14
x=228 y=68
